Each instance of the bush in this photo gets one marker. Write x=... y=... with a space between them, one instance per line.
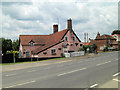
x=105 y=49
x=16 y=53
x=81 y=49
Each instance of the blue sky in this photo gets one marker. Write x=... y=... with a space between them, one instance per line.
x=38 y=16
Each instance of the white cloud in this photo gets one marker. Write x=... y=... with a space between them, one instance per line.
x=38 y=17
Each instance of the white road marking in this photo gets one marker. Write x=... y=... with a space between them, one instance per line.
x=102 y=63
x=72 y=71
x=10 y=75
x=20 y=84
x=116 y=74
x=64 y=61
x=93 y=85
x=32 y=71
x=116 y=80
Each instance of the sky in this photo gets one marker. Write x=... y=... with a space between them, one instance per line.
x=36 y=17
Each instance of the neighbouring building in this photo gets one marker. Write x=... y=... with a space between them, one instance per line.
x=116 y=36
x=53 y=45
x=103 y=41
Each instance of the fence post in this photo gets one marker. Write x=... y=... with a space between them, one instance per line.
x=14 y=57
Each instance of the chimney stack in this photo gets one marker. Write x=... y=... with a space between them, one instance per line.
x=69 y=23
x=98 y=35
x=55 y=28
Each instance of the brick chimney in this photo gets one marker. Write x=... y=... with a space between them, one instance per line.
x=69 y=23
x=55 y=28
x=98 y=35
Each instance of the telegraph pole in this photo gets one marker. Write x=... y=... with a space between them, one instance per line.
x=85 y=38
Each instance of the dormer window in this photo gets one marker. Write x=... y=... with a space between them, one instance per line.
x=31 y=43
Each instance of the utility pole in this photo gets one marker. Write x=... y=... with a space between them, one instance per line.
x=85 y=38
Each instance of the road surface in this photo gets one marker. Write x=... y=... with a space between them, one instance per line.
x=77 y=73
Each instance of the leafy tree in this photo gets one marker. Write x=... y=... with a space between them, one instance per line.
x=6 y=45
x=15 y=45
x=83 y=48
x=116 y=32
x=94 y=47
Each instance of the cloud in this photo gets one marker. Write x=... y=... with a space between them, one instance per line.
x=37 y=17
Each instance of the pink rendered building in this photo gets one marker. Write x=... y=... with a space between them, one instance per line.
x=53 y=45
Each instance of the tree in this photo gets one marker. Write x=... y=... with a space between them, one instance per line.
x=94 y=47
x=15 y=45
x=116 y=32
x=6 y=45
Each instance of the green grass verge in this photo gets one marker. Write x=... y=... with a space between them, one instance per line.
x=31 y=61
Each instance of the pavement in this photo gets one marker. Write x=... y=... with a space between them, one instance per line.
x=111 y=83
x=92 y=71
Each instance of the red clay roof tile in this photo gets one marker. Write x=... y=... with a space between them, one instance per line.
x=104 y=36
x=48 y=40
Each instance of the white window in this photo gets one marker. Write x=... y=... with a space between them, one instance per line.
x=53 y=51
x=31 y=43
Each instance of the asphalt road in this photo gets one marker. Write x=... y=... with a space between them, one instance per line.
x=79 y=73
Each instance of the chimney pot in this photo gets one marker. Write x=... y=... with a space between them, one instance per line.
x=98 y=35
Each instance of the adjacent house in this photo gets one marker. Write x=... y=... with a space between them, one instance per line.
x=53 y=45
x=103 y=41
x=117 y=36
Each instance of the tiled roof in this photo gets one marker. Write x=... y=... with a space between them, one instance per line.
x=38 y=39
x=104 y=37
x=97 y=42
x=85 y=43
x=48 y=40
x=53 y=39
x=116 y=35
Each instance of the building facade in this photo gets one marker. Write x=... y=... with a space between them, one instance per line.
x=116 y=36
x=53 y=45
x=103 y=41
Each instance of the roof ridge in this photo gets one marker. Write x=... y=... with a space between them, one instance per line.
x=34 y=35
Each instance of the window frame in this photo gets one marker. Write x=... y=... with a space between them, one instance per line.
x=53 y=51
x=27 y=54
